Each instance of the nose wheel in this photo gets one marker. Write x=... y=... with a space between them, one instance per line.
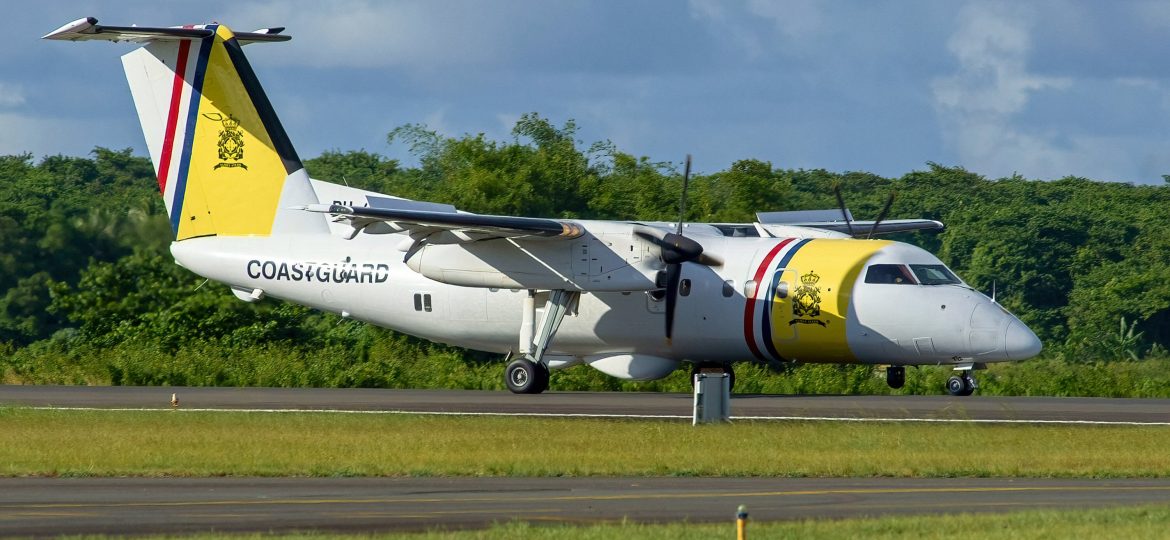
x=896 y=376
x=961 y=385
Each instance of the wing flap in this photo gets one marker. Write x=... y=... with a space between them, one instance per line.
x=465 y=226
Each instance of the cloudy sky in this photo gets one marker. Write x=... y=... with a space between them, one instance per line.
x=1044 y=89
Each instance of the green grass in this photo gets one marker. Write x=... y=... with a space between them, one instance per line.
x=402 y=363
x=1134 y=523
x=1129 y=523
x=178 y=443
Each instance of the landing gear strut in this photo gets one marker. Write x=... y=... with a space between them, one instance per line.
x=529 y=374
x=896 y=376
x=962 y=385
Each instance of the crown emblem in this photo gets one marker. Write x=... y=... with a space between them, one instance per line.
x=230 y=145
x=810 y=279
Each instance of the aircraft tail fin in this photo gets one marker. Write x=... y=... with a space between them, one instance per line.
x=225 y=165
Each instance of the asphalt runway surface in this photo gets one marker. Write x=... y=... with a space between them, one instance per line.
x=621 y=404
x=52 y=506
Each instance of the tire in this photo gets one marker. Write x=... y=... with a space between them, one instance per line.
x=957 y=386
x=696 y=368
x=896 y=377
x=542 y=377
x=523 y=376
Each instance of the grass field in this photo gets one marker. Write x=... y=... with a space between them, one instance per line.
x=179 y=443
x=1130 y=523
x=1135 y=523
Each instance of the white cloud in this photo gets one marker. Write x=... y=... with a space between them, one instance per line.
x=795 y=19
x=361 y=33
x=42 y=136
x=10 y=95
x=979 y=105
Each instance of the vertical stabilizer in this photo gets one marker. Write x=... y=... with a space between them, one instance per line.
x=225 y=164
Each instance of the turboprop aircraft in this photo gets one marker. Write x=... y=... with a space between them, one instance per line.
x=633 y=299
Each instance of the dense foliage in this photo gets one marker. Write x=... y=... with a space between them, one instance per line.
x=85 y=273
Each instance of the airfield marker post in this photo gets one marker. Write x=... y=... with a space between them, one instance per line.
x=712 y=398
x=741 y=516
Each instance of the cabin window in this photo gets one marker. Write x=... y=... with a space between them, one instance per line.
x=728 y=288
x=422 y=302
x=749 y=288
x=684 y=287
x=896 y=274
x=934 y=274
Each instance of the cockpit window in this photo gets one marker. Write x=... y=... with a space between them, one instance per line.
x=934 y=274
x=889 y=273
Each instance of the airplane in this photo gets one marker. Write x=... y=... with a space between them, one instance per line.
x=635 y=300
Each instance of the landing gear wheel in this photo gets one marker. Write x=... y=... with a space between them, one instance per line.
x=961 y=386
x=896 y=377
x=523 y=376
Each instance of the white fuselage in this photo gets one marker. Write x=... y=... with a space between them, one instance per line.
x=877 y=323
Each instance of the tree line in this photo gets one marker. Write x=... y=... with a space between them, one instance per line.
x=84 y=262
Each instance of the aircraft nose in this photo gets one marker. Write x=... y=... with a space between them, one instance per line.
x=1021 y=343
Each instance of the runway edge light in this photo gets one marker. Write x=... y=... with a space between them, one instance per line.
x=741 y=516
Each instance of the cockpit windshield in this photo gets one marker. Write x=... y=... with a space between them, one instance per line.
x=911 y=274
x=889 y=273
x=934 y=274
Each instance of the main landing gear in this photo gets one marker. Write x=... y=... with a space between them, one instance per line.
x=529 y=373
x=962 y=385
x=523 y=376
x=716 y=368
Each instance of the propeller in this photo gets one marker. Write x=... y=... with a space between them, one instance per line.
x=676 y=249
x=881 y=215
x=845 y=213
x=841 y=205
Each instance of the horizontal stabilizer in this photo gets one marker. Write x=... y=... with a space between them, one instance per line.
x=87 y=28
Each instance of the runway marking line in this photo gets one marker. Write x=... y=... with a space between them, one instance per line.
x=574 y=498
x=634 y=416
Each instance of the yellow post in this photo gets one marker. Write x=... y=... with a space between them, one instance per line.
x=741 y=523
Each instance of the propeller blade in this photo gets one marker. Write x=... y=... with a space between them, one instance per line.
x=682 y=203
x=673 y=275
x=841 y=204
x=881 y=215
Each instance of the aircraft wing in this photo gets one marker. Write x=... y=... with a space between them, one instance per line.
x=863 y=228
x=841 y=221
x=464 y=227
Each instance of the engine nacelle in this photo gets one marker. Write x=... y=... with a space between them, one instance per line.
x=585 y=264
x=632 y=367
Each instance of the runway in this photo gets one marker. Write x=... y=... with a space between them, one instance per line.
x=52 y=506
x=619 y=404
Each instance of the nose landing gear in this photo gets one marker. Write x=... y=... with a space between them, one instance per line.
x=962 y=385
x=896 y=376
